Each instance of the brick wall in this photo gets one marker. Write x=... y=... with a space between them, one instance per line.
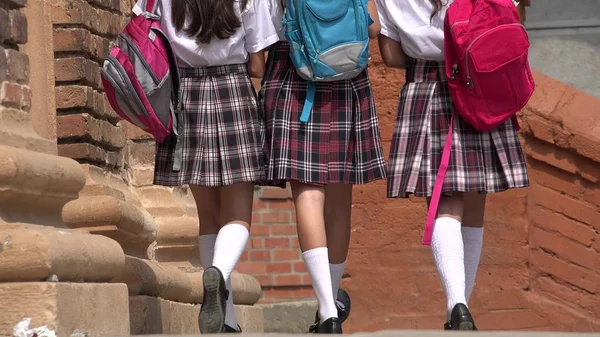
x=540 y=263
x=273 y=254
x=15 y=93
x=562 y=142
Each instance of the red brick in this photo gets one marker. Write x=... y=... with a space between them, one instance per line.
x=540 y=128
x=591 y=194
x=283 y=230
x=565 y=248
x=574 y=230
x=264 y=280
x=89 y=152
x=260 y=255
x=245 y=256
x=282 y=267
x=259 y=205
x=287 y=280
x=574 y=275
x=276 y=218
x=300 y=267
x=80 y=40
x=286 y=255
x=98 y=131
x=294 y=242
x=511 y=320
x=18 y=66
x=277 y=242
x=569 y=296
x=84 y=97
x=552 y=155
x=274 y=193
x=77 y=69
x=303 y=292
x=251 y=268
x=4 y=26
x=572 y=208
x=80 y=12
x=11 y=94
x=555 y=178
x=259 y=230
x=281 y=205
x=257 y=242
x=18 y=27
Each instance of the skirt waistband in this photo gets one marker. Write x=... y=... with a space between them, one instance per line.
x=213 y=71
x=418 y=70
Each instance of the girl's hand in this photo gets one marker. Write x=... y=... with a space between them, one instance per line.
x=256 y=64
x=391 y=52
x=375 y=27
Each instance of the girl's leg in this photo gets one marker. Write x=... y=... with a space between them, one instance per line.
x=447 y=247
x=207 y=204
x=235 y=214
x=472 y=233
x=338 y=208
x=310 y=201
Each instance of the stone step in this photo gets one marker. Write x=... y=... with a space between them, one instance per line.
x=424 y=333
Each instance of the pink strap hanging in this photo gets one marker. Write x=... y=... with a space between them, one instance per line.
x=437 y=188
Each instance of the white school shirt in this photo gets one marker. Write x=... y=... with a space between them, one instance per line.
x=255 y=34
x=409 y=22
x=276 y=13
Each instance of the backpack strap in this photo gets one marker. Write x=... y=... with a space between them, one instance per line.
x=437 y=188
x=147 y=8
x=308 y=101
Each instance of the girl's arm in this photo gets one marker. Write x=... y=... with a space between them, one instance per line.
x=375 y=27
x=391 y=52
x=256 y=64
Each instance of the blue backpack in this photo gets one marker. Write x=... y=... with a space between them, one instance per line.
x=329 y=41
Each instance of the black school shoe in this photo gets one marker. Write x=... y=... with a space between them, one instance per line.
x=228 y=329
x=343 y=305
x=460 y=319
x=329 y=326
x=214 y=301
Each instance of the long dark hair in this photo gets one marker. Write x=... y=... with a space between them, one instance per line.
x=207 y=18
x=437 y=6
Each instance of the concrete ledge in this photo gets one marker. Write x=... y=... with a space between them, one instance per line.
x=92 y=309
x=152 y=315
x=289 y=317
x=32 y=253
x=98 y=211
x=145 y=277
x=425 y=333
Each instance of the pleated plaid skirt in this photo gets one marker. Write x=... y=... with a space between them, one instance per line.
x=480 y=161
x=340 y=144
x=222 y=137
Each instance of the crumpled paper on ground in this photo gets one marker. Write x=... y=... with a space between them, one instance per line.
x=22 y=329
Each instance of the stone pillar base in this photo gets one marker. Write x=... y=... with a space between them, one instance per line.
x=94 y=309
x=153 y=315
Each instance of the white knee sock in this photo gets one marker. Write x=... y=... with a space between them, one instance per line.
x=337 y=272
x=447 y=246
x=317 y=263
x=206 y=245
x=472 y=241
x=229 y=246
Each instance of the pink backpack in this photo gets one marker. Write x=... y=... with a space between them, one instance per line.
x=140 y=75
x=486 y=51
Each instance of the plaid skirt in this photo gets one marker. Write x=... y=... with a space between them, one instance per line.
x=480 y=161
x=340 y=144
x=222 y=131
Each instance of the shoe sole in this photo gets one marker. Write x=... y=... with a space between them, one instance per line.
x=212 y=315
x=466 y=326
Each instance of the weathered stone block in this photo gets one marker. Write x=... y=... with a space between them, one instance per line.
x=18 y=66
x=91 y=309
x=151 y=315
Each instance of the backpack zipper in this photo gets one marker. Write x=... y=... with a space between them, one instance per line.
x=121 y=71
x=469 y=81
x=146 y=65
